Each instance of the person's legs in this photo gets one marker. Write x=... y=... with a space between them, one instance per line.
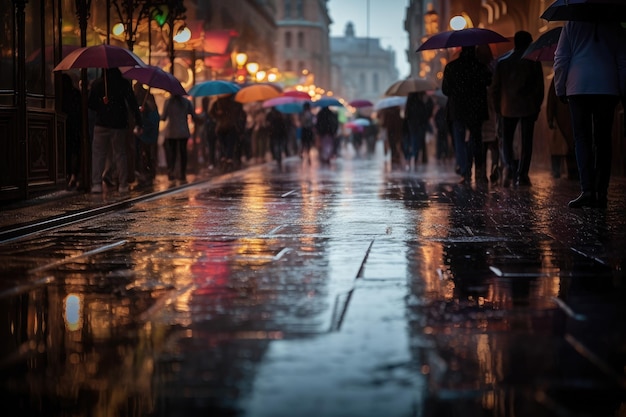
x=170 y=157
x=120 y=156
x=182 y=150
x=99 y=150
x=527 y=129
x=460 y=149
x=476 y=153
x=509 y=124
x=603 y=115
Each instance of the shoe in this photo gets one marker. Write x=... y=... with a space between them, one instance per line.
x=96 y=188
x=585 y=199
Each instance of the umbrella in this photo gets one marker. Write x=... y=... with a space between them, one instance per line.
x=291 y=108
x=282 y=100
x=354 y=126
x=542 y=49
x=362 y=122
x=410 y=85
x=256 y=92
x=463 y=37
x=586 y=10
x=361 y=103
x=155 y=77
x=99 y=56
x=390 y=102
x=297 y=94
x=327 y=102
x=213 y=88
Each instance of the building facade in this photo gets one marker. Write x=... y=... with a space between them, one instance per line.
x=362 y=69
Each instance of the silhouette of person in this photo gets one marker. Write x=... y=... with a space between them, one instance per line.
x=517 y=91
x=71 y=105
x=176 y=110
x=147 y=141
x=465 y=82
x=590 y=73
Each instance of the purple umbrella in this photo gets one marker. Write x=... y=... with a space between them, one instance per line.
x=155 y=77
x=543 y=48
x=463 y=37
x=586 y=10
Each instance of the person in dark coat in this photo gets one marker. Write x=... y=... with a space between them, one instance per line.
x=230 y=119
x=392 y=121
x=278 y=131
x=417 y=114
x=326 y=126
x=71 y=105
x=465 y=82
x=112 y=98
x=517 y=91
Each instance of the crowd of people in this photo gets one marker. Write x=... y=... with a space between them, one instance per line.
x=488 y=103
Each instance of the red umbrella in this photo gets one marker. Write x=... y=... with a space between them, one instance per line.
x=463 y=37
x=297 y=94
x=281 y=100
x=155 y=77
x=543 y=48
x=99 y=56
x=361 y=103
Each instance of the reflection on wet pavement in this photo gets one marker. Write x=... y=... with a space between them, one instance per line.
x=349 y=290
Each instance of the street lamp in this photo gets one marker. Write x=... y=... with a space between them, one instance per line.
x=252 y=68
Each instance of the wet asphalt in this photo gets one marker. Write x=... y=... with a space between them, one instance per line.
x=355 y=289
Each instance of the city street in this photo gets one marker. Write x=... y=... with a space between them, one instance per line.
x=334 y=291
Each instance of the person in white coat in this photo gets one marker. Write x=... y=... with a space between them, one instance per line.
x=590 y=74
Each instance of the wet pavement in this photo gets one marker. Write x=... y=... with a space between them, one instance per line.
x=348 y=290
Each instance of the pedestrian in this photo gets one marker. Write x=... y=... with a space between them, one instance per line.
x=517 y=91
x=326 y=125
x=112 y=98
x=278 y=131
x=562 y=139
x=307 y=135
x=146 y=142
x=443 y=132
x=209 y=136
x=590 y=74
x=417 y=114
x=391 y=121
x=177 y=110
x=465 y=82
x=71 y=105
x=231 y=121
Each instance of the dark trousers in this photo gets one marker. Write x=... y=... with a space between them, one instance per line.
x=592 y=123
x=468 y=152
x=509 y=124
x=173 y=148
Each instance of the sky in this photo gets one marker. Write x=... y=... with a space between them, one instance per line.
x=386 y=22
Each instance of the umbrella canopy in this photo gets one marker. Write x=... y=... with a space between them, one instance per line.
x=297 y=94
x=387 y=102
x=463 y=37
x=155 y=77
x=256 y=92
x=410 y=85
x=543 y=48
x=281 y=100
x=99 y=56
x=327 y=102
x=213 y=88
x=586 y=10
x=291 y=108
x=360 y=103
x=362 y=122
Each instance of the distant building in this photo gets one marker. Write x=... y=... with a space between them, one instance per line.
x=302 y=42
x=361 y=67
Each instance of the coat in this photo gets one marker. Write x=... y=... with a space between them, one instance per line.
x=465 y=82
x=518 y=86
x=590 y=58
x=176 y=109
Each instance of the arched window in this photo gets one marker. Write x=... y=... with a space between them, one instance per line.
x=287 y=8
x=299 y=9
x=301 y=40
x=287 y=39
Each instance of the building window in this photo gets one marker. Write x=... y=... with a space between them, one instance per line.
x=300 y=40
x=287 y=39
x=375 y=83
x=299 y=9
x=287 y=8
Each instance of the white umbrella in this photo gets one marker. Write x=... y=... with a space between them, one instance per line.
x=390 y=102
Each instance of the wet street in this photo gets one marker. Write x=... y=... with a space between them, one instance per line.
x=345 y=290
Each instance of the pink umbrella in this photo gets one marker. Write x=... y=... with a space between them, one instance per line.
x=359 y=103
x=297 y=94
x=281 y=100
x=99 y=56
x=463 y=37
x=155 y=77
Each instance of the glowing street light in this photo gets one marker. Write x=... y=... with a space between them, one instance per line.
x=458 y=23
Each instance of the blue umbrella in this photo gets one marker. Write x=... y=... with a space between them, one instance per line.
x=290 y=108
x=213 y=88
x=326 y=102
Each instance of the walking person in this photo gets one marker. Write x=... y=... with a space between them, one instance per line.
x=590 y=74
x=176 y=111
x=111 y=98
x=562 y=139
x=307 y=135
x=71 y=106
x=146 y=142
x=465 y=82
x=517 y=91
x=326 y=126
x=417 y=114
